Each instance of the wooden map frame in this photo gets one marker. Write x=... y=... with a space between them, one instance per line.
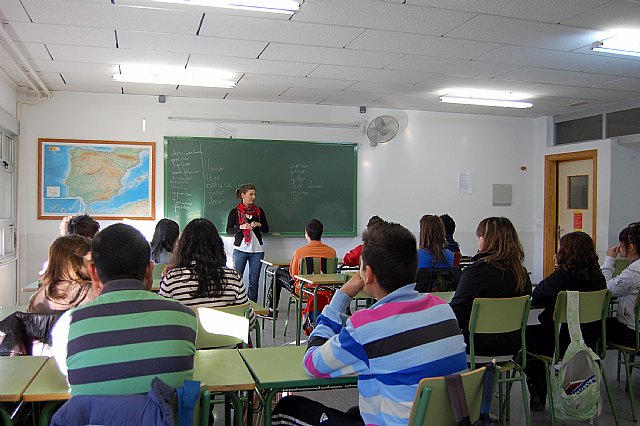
x=88 y=143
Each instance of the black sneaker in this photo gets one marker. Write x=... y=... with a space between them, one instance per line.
x=536 y=403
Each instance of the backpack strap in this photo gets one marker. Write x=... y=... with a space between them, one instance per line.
x=455 y=390
x=487 y=392
x=187 y=399
x=573 y=318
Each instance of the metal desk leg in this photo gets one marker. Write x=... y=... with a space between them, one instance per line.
x=237 y=407
x=6 y=418
x=267 y=406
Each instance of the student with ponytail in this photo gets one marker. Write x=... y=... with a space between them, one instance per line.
x=247 y=222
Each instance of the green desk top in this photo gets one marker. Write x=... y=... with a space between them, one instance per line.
x=322 y=278
x=5 y=311
x=31 y=287
x=49 y=385
x=222 y=370
x=276 y=262
x=258 y=308
x=16 y=373
x=281 y=368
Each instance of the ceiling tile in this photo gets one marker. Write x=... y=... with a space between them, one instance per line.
x=256 y=93
x=609 y=16
x=256 y=66
x=626 y=83
x=63 y=34
x=439 y=82
x=115 y=56
x=519 y=32
x=461 y=67
x=382 y=15
x=582 y=92
x=545 y=58
x=107 y=15
x=85 y=88
x=416 y=44
x=328 y=96
x=190 y=44
x=12 y=10
x=524 y=9
x=388 y=88
x=273 y=30
x=279 y=80
x=328 y=55
x=570 y=78
x=368 y=74
x=202 y=92
x=35 y=50
x=622 y=67
x=148 y=89
x=72 y=78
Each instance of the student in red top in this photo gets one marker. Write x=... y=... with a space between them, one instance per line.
x=352 y=258
x=314 y=248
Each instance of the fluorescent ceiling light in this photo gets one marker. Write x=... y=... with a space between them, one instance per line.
x=485 y=98
x=624 y=43
x=274 y=6
x=156 y=74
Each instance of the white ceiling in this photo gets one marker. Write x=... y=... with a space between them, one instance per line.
x=377 y=53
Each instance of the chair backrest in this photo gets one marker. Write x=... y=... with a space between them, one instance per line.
x=620 y=265
x=218 y=329
x=437 y=279
x=318 y=265
x=431 y=405
x=594 y=306
x=498 y=316
x=157 y=270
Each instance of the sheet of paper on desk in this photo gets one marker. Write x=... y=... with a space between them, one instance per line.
x=217 y=322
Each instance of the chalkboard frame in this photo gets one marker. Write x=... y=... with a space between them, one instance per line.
x=273 y=233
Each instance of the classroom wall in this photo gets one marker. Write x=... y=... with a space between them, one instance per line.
x=8 y=121
x=625 y=197
x=414 y=174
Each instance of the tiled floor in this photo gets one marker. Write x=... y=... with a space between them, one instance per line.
x=344 y=399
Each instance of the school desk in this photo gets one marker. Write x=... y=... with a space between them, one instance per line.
x=309 y=284
x=16 y=374
x=280 y=368
x=271 y=267
x=5 y=311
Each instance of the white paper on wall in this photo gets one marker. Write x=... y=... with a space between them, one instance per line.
x=465 y=185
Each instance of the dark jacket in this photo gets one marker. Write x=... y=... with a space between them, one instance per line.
x=482 y=279
x=544 y=295
x=451 y=244
x=20 y=329
x=233 y=226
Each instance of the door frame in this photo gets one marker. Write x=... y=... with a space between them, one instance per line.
x=551 y=200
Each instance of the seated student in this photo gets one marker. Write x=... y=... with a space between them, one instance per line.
x=117 y=343
x=66 y=282
x=577 y=269
x=497 y=272
x=314 y=248
x=352 y=258
x=449 y=228
x=625 y=286
x=164 y=238
x=401 y=339
x=199 y=276
x=431 y=251
x=82 y=224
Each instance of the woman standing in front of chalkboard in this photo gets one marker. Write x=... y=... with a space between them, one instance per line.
x=247 y=222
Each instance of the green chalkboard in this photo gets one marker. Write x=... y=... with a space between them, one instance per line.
x=295 y=181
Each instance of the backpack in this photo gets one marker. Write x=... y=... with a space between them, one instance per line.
x=432 y=280
x=458 y=400
x=575 y=381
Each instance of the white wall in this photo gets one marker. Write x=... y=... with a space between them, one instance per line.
x=8 y=122
x=414 y=174
x=625 y=197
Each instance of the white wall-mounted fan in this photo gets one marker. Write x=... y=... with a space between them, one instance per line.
x=382 y=129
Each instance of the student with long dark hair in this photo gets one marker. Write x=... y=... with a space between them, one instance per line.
x=199 y=276
x=246 y=223
x=431 y=251
x=497 y=272
x=164 y=238
x=577 y=269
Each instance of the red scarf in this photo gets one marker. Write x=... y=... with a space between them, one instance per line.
x=253 y=212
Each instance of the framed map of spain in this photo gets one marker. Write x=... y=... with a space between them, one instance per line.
x=106 y=179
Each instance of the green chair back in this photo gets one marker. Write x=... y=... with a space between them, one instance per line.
x=431 y=405
x=318 y=265
x=499 y=315
x=620 y=265
x=157 y=270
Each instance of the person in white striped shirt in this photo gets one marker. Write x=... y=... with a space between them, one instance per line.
x=198 y=276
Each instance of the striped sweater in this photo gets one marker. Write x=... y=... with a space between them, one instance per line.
x=181 y=283
x=121 y=340
x=401 y=339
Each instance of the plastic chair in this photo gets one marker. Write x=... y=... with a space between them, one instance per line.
x=218 y=329
x=493 y=316
x=626 y=357
x=431 y=405
x=244 y=310
x=157 y=270
x=593 y=307
x=308 y=265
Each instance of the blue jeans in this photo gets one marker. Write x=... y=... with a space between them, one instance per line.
x=240 y=260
